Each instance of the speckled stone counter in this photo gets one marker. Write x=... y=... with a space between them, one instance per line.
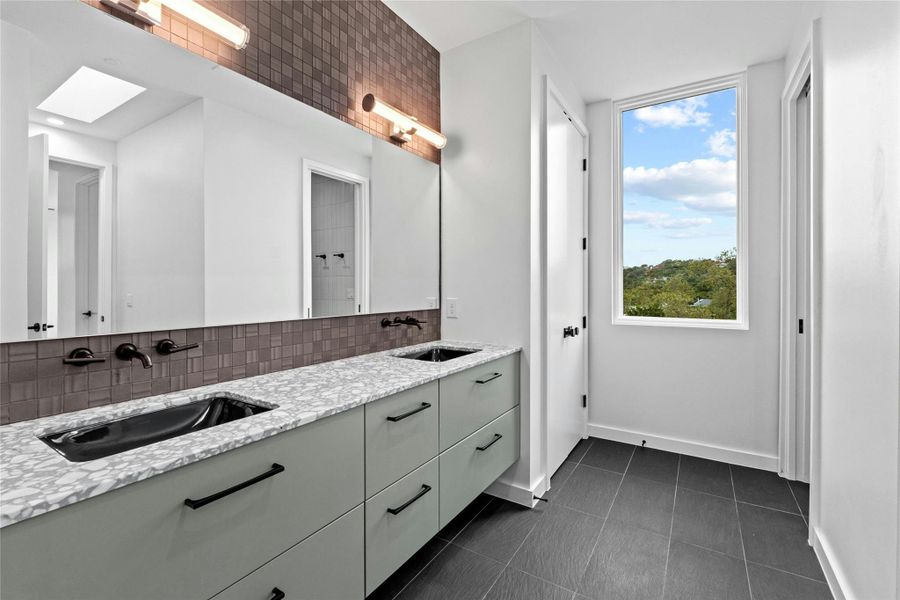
x=34 y=479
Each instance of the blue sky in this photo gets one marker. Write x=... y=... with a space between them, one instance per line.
x=679 y=179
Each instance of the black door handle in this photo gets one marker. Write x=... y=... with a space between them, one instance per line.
x=89 y=313
x=277 y=594
x=195 y=504
x=396 y=511
x=491 y=378
x=496 y=439
x=35 y=327
x=46 y=327
x=396 y=418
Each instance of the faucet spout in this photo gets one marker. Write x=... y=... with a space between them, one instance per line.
x=130 y=351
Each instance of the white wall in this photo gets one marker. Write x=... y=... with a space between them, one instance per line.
x=712 y=393
x=491 y=91
x=160 y=223
x=405 y=222
x=14 y=86
x=856 y=519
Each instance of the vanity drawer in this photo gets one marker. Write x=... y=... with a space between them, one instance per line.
x=392 y=538
x=476 y=396
x=401 y=435
x=473 y=464
x=142 y=541
x=328 y=565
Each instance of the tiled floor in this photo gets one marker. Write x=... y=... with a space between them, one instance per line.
x=626 y=523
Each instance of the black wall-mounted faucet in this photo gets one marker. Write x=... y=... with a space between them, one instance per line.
x=130 y=351
x=411 y=321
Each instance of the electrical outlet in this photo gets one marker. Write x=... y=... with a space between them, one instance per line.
x=452 y=308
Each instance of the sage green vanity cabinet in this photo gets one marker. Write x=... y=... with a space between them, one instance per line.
x=401 y=434
x=399 y=520
x=328 y=565
x=473 y=398
x=142 y=542
x=473 y=464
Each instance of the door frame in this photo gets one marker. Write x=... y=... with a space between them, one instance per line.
x=82 y=271
x=790 y=443
x=362 y=226
x=552 y=94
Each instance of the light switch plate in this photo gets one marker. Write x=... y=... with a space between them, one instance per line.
x=452 y=308
x=431 y=302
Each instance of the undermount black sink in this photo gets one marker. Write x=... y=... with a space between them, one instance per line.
x=105 y=439
x=438 y=354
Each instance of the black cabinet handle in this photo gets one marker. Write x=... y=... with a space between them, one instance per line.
x=410 y=413
x=491 y=378
x=396 y=511
x=277 y=594
x=195 y=504
x=496 y=439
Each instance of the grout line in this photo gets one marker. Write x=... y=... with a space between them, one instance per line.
x=671 y=528
x=509 y=562
x=737 y=515
x=787 y=512
x=797 y=502
x=787 y=572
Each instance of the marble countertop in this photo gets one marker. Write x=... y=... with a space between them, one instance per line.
x=34 y=479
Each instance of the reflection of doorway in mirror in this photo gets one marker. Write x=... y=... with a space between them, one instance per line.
x=335 y=241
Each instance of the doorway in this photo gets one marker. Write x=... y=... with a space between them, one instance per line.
x=566 y=348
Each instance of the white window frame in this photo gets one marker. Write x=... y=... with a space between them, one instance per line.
x=742 y=320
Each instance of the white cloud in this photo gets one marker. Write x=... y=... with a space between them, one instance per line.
x=659 y=220
x=722 y=143
x=705 y=184
x=679 y=113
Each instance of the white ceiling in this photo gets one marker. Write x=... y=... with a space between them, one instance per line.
x=618 y=49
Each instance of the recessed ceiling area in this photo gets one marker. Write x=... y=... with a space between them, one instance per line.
x=620 y=49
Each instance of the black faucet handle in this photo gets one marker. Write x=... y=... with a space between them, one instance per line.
x=168 y=346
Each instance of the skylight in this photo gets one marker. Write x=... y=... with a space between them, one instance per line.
x=89 y=94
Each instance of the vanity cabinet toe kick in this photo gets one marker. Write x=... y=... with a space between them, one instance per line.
x=325 y=511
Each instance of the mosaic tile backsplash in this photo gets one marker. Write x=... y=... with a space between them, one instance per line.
x=34 y=382
x=325 y=53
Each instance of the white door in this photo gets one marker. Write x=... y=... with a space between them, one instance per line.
x=87 y=250
x=566 y=343
x=802 y=285
x=38 y=203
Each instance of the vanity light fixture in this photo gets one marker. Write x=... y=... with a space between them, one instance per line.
x=150 y=11
x=89 y=94
x=404 y=126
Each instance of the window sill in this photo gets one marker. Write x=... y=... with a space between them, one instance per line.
x=687 y=323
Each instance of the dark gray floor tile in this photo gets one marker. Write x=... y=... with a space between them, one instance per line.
x=801 y=493
x=456 y=574
x=559 y=547
x=516 y=585
x=589 y=490
x=612 y=456
x=645 y=504
x=777 y=539
x=402 y=576
x=763 y=488
x=452 y=529
x=698 y=574
x=580 y=450
x=498 y=530
x=769 y=584
x=653 y=464
x=559 y=479
x=708 y=476
x=627 y=564
x=708 y=521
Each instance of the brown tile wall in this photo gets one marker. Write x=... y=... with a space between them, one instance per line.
x=326 y=53
x=34 y=382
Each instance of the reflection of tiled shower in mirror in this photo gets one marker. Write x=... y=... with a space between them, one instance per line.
x=333 y=224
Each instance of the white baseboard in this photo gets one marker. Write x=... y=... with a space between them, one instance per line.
x=833 y=574
x=698 y=449
x=516 y=493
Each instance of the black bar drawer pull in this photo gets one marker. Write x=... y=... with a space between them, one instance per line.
x=496 y=439
x=491 y=378
x=277 y=594
x=396 y=511
x=195 y=504
x=410 y=413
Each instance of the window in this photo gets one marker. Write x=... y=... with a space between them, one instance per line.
x=680 y=212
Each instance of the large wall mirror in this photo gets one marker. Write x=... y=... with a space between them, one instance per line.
x=146 y=188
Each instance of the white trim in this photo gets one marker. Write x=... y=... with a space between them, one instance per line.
x=834 y=576
x=518 y=494
x=734 y=456
x=363 y=232
x=739 y=82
